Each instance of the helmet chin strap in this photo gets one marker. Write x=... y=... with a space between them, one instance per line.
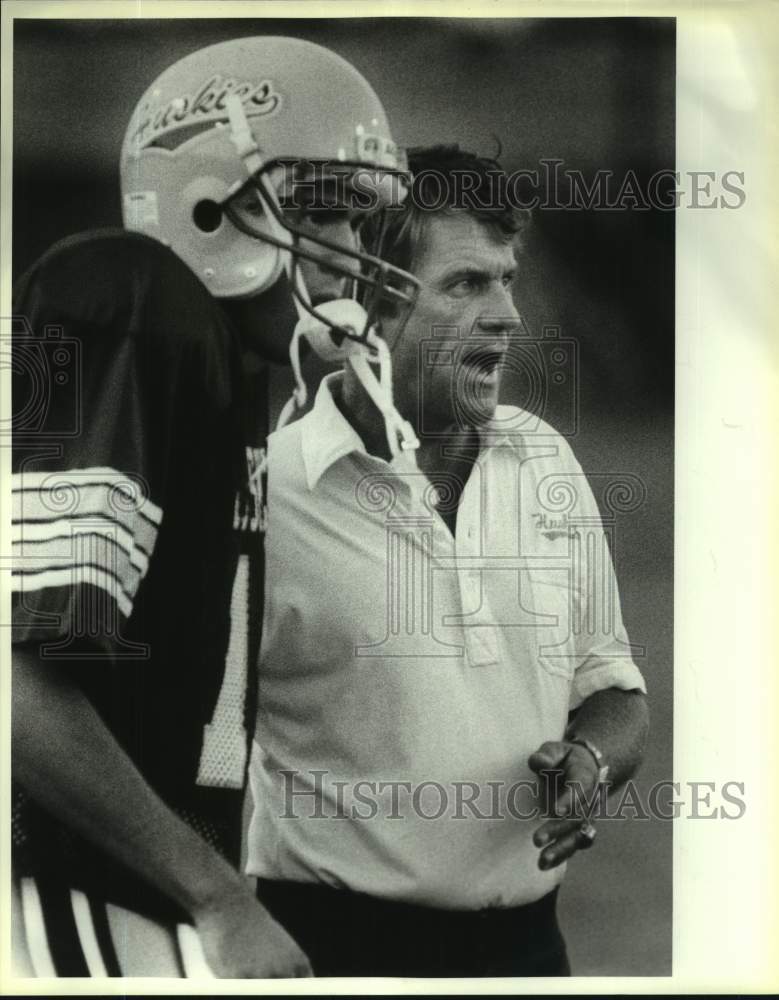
x=400 y=433
x=344 y=314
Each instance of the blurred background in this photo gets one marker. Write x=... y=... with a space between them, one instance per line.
x=595 y=93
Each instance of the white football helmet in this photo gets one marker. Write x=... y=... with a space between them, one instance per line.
x=180 y=165
x=264 y=113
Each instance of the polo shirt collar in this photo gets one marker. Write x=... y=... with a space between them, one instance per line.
x=327 y=435
x=506 y=429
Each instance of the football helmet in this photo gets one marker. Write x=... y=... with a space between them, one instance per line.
x=266 y=115
x=302 y=104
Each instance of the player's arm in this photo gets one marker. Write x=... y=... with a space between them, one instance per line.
x=64 y=755
x=68 y=760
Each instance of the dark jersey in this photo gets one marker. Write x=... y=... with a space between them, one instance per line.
x=130 y=470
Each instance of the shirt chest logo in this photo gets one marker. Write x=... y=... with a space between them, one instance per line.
x=552 y=527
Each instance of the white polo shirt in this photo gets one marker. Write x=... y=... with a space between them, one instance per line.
x=406 y=676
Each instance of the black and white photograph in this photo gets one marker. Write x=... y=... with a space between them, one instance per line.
x=345 y=453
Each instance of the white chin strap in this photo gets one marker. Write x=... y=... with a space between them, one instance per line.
x=350 y=315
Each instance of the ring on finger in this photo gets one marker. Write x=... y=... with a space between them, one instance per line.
x=586 y=834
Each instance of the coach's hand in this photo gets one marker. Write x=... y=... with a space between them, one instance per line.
x=241 y=940
x=569 y=777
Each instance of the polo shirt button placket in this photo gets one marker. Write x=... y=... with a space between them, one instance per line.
x=480 y=636
x=481 y=651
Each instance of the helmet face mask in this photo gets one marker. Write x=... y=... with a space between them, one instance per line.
x=269 y=208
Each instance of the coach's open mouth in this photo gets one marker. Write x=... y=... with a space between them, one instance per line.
x=483 y=361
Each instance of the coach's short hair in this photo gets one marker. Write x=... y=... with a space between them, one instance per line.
x=445 y=179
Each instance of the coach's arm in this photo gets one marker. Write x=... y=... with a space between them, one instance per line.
x=616 y=723
x=68 y=761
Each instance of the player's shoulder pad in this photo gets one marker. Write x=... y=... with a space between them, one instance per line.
x=104 y=276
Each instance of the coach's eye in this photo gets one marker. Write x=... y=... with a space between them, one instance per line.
x=464 y=286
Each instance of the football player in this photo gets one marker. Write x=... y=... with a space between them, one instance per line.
x=140 y=410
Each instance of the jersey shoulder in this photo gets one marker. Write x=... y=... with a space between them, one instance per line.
x=113 y=279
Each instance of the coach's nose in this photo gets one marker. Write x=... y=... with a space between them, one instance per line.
x=499 y=317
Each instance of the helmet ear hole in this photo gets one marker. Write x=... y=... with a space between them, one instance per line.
x=207 y=216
